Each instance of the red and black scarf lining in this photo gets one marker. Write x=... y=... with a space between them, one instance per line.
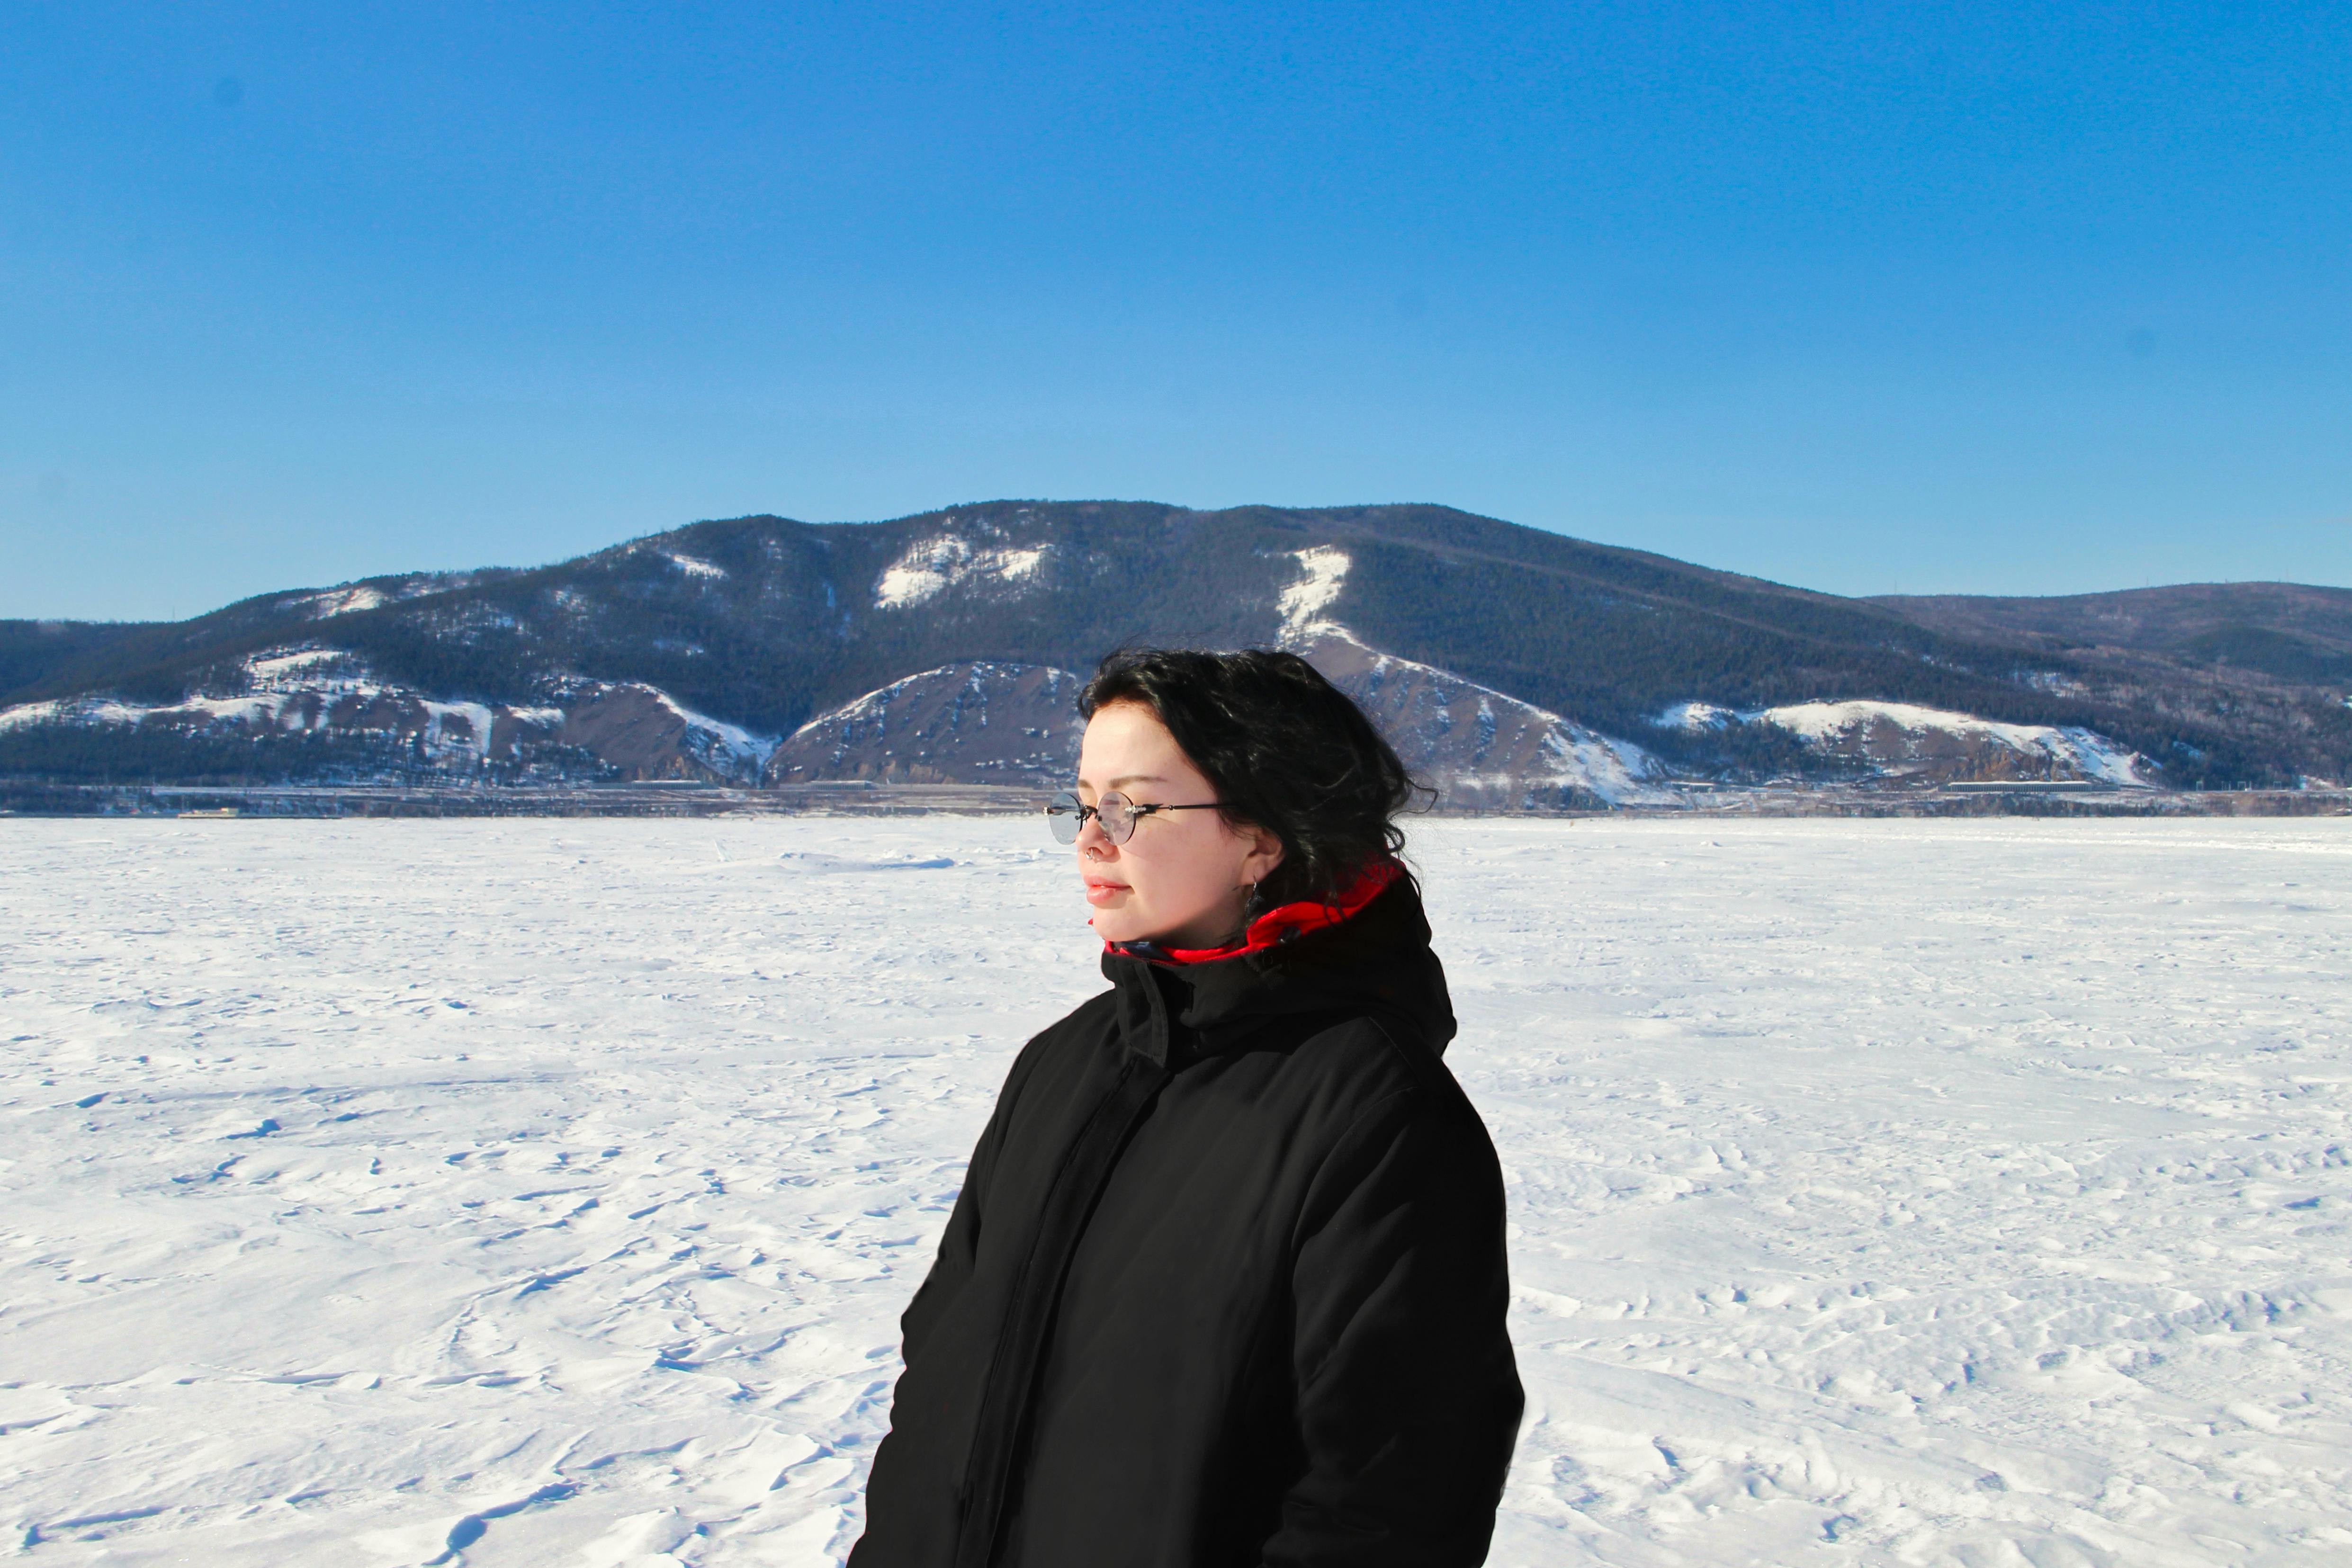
x=1278 y=926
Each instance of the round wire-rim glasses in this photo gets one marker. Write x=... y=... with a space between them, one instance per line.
x=1066 y=814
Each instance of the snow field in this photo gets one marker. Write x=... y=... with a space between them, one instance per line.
x=545 y=1192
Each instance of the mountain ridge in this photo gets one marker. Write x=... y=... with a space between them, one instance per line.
x=766 y=624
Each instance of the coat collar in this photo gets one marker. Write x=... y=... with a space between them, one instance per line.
x=1275 y=926
x=1372 y=958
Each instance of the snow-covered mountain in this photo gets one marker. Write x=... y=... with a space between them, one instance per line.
x=1512 y=666
x=982 y=721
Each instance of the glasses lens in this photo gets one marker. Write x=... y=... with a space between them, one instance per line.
x=1062 y=816
x=1117 y=815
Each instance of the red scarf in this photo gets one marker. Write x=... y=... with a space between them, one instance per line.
x=1277 y=926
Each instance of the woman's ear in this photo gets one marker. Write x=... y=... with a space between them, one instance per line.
x=1265 y=853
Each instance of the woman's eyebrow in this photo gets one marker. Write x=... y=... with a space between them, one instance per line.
x=1125 y=779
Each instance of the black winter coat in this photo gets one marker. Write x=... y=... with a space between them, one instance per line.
x=1225 y=1284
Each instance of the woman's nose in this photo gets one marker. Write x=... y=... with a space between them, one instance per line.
x=1091 y=837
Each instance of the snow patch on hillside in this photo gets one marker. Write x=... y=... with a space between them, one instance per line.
x=296 y=691
x=726 y=748
x=1896 y=735
x=275 y=669
x=457 y=728
x=94 y=711
x=930 y=567
x=345 y=601
x=691 y=566
x=1323 y=572
x=1617 y=770
x=444 y=731
x=638 y=729
x=1695 y=716
x=2084 y=751
x=262 y=709
x=70 y=710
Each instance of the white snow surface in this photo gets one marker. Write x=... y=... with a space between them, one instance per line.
x=930 y=567
x=1881 y=1191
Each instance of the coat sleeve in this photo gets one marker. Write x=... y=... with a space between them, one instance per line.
x=1408 y=1396
x=959 y=1245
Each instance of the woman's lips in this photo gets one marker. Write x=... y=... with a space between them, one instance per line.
x=1100 y=892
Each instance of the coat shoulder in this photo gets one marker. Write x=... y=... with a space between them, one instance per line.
x=1086 y=1021
x=1381 y=1061
x=1064 y=1045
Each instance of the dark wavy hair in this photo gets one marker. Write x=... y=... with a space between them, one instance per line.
x=1284 y=749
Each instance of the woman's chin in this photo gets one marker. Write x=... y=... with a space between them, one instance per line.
x=1122 y=922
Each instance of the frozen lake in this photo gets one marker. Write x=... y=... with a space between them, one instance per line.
x=1883 y=1192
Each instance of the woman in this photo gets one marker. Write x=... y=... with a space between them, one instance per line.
x=1225 y=1281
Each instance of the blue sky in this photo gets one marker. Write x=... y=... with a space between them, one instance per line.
x=2026 y=299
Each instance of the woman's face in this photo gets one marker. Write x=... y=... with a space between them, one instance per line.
x=1182 y=878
